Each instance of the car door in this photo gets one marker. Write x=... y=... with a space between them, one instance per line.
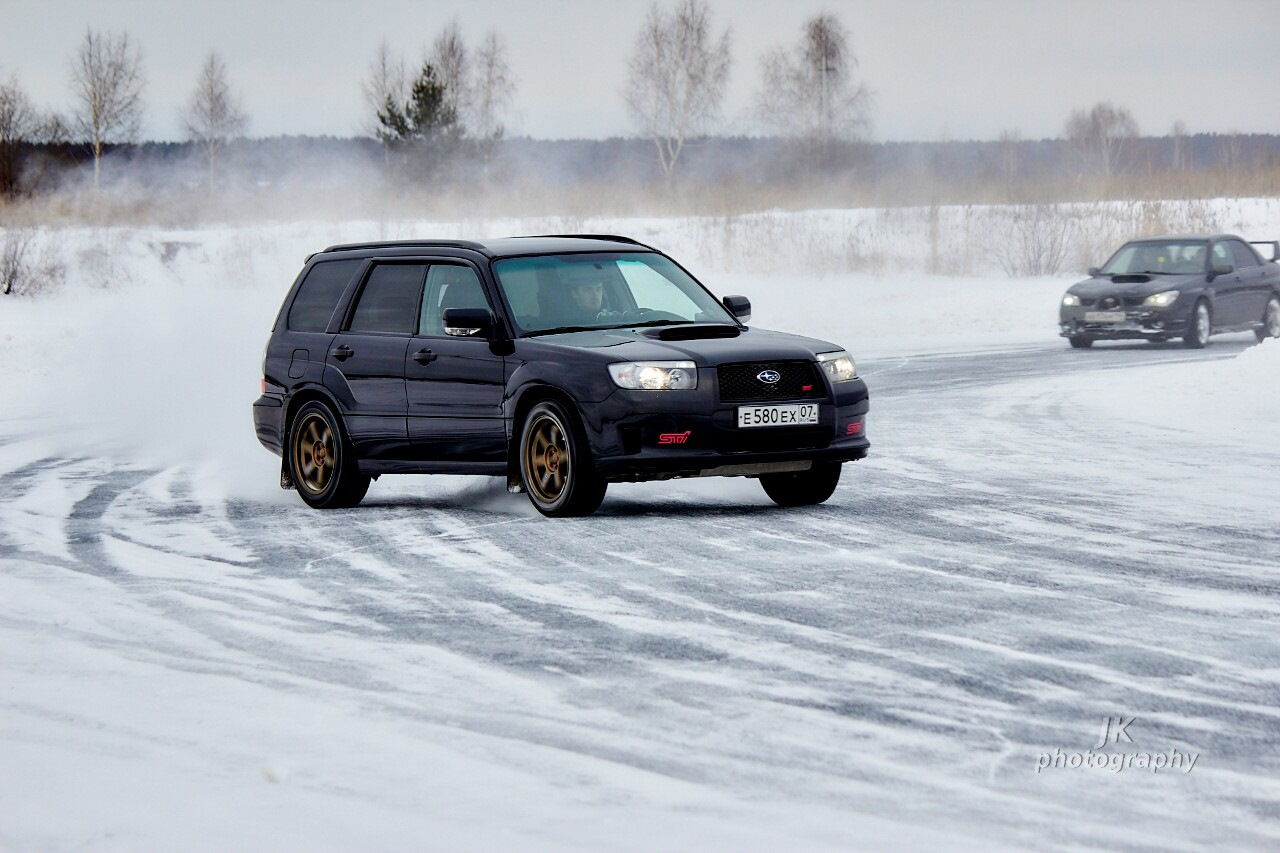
x=365 y=365
x=455 y=385
x=1254 y=285
x=1228 y=289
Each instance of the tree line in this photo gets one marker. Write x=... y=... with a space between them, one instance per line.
x=452 y=109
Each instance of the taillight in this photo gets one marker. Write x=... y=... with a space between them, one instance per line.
x=854 y=428
x=264 y=385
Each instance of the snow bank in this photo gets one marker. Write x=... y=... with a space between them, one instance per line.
x=1236 y=398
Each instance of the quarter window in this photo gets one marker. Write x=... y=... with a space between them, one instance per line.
x=319 y=294
x=389 y=300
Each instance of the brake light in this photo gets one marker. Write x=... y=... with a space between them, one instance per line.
x=854 y=428
x=264 y=385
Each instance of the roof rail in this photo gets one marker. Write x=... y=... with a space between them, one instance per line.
x=613 y=238
x=408 y=244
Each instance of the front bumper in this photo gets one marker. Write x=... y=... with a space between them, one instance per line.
x=637 y=436
x=1138 y=324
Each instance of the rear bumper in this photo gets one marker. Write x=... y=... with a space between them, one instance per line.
x=268 y=422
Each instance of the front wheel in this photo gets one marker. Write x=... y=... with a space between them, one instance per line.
x=321 y=463
x=1270 y=321
x=802 y=488
x=555 y=464
x=1199 y=327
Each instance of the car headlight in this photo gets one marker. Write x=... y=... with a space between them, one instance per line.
x=1071 y=300
x=1161 y=300
x=838 y=366
x=655 y=375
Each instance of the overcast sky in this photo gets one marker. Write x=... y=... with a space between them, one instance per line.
x=940 y=69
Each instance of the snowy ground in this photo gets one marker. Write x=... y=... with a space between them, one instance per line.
x=1042 y=538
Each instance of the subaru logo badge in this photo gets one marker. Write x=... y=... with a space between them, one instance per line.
x=769 y=376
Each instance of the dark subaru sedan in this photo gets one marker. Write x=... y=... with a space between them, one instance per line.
x=1187 y=287
x=560 y=363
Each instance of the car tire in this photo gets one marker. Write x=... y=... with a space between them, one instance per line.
x=555 y=463
x=1199 y=326
x=322 y=463
x=1080 y=341
x=1270 y=320
x=802 y=488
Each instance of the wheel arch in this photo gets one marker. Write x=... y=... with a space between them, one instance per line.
x=300 y=398
x=528 y=397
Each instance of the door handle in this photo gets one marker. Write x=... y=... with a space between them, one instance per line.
x=342 y=353
x=424 y=356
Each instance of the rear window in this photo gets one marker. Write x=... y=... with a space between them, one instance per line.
x=319 y=294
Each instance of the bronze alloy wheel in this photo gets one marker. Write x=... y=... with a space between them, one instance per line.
x=321 y=463
x=547 y=457
x=555 y=465
x=314 y=453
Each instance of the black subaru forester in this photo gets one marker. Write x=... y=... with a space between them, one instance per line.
x=561 y=363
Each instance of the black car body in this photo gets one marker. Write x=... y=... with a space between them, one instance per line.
x=1182 y=286
x=465 y=357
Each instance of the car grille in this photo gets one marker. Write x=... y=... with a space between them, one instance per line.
x=739 y=382
x=1113 y=303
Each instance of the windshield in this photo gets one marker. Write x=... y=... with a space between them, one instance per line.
x=1174 y=257
x=603 y=291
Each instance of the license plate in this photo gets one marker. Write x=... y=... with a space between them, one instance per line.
x=767 y=416
x=1104 y=316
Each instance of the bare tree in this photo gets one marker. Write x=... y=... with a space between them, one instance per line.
x=1010 y=163
x=679 y=70
x=19 y=125
x=1102 y=136
x=1180 y=157
x=213 y=114
x=809 y=90
x=387 y=81
x=106 y=78
x=492 y=92
x=449 y=59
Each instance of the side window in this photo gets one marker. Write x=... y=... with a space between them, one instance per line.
x=448 y=286
x=1245 y=256
x=319 y=295
x=1221 y=255
x=389 y=299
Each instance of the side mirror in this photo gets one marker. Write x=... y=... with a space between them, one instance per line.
x=739 y=306
x=468 y=322
x=1094 y=272
x=1220 y=269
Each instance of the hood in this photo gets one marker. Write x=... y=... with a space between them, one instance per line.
x=1129 y=285
x=645 y=345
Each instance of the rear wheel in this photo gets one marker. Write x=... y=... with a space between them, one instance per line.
x=321 y=463
x=1198 y=327
x=1270 y=321
x=1080 y=341
x=802 y=488
x=555 y=464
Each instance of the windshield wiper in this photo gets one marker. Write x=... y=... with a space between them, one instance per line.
x=560 y=330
